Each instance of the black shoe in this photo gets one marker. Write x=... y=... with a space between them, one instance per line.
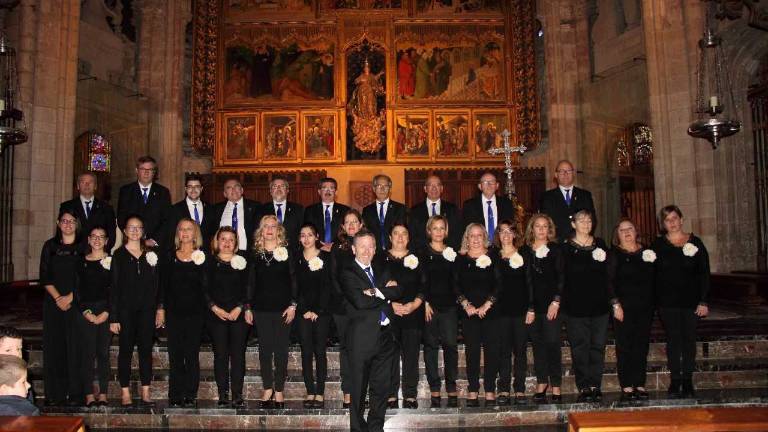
x=175 y=403
x=146 y=404
x=392 y=404
x=223 y=400
x=53 y=403
x=557 y=398
x=318 y=404
x=503 y=400
x=597 y=395
x=434 y=401
x=411 y=404
x=190 y=403
x=453 y=401
x=238 y=402
x=490 y=402
x=102 y=403
x=674 y=390
x=641 y=394
x=278 y=405
x=473 y=403
x=585 y=395
x=267 y=404
x=346 y=405
x=309 y=403
x=540 y=398
x=687 y=390
x=74 y=403
x=521 y=400
x=91 y=404
x=627 y=396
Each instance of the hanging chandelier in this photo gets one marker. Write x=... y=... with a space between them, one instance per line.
x=714 y=96
x=12 y=126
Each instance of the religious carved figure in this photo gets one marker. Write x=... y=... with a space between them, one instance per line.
x=367 y=121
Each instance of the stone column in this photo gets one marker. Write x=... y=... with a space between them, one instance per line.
x=162 y=25
x=47 y=44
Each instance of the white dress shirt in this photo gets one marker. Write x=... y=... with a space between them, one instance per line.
x=437 y=207
x=563 y=189
x=191 y=208
x=90 y=200
x=226 y=220
x=378 y=206
x=283 y=207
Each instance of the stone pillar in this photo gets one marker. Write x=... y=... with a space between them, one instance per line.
x=46 y=44
x=162 y=25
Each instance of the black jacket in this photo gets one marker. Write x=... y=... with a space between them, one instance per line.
x=553 y=204
x=293 y=218
x=102 y=214
x=154 y=212
x=251 y=215
x=315 y=214
x=179 y=211
x=417 y=224
x=396 y=214
x=474 y=210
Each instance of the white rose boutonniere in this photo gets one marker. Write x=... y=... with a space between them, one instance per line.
x=516 y=261
x=315 y=264
x=449 y=254
x=411 y=261
x=542 y=252
x=106 y=262
x=151 y=258
x=237 y=262
x=198 y=257
x=483 y=261
x=689 y=249
x=280 y=254
x=649 y=256
x=598 y=254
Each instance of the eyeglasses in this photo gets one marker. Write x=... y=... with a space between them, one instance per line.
x=382 y=186
x=97 y=237
x=328 y=189
x=194 y=187
x=564 y=171
x=134 y=228
x=67 y=221
x=279 y=186
x=147 y=169
x=488 y=182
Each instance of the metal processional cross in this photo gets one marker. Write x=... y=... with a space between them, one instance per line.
x=508 y=151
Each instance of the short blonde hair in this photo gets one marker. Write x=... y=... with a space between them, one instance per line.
x=434 y=219
x=258 y=235
x=530 y=237
x=12 y=369
x=197 y=240
x=465 y=237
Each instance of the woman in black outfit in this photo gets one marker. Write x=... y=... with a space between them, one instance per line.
x=477 y=281
x=313 y=275
x=630 y=274
x=516 y=313
x=408 y=322
x=341 y=255
x=440 y=311
x=682 y=287
x=92 y=294
x=228 y=323
x=59 y=261
x=547 y=283
x=586 y=303
x=133 y=301
x=184 y=283
x=273 y=292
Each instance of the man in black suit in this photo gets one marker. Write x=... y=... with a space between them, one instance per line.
x=369 y=288
x=566 y=199
x=380 y=215
x=146 y=198
x=240 y=213
x=434 y=205
x=288 y=213
x=191 y=207
x=91 y=211
x=326 y=215
x=488 y=209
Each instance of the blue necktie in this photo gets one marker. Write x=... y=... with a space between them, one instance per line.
x=87 y=209
x=568 y=196
x=382 y=316
x=491 y=222
x=197 y=214
x=382 y=234
x=145 y=194
x=279 y=213
x=234 y=217
x=434 y=210
x=327 y=235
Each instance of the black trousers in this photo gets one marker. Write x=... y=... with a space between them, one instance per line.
x=184 y=334
x=95 y=341
x=513 y=333
x=61 y=354
x=371 y=371
x=547 y=351
x=632 y=338
x=229 y=341
x=341 y=321
x=314 y=338
x=680 y=326
x=587 y=337
x=482 y=334
x=408 y=347
x=274 y=338
x=137 y=328
x=442 y=331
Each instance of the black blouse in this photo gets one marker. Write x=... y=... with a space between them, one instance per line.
x=516 y=295
x=183 y=286
x=412 y=282
x=227 y=287
x=135 y=283
x=58 y=265
x=314 y=286
x=631 y=277
x=438 y=287
x=544 y=276
x=681 y=281
x=585 y=292
x=272 y=284
x=340 y=257
x=92 y=288
x=477 y=285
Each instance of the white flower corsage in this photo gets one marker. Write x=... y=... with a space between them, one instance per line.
x=106 y=262
x=411 y=261
x=649 y=256
x=315 y=264
x=598 y=255
x=449 y=254
x=151 y=258
x=542 y=252
x=483 y=261
x=516 y=261
x=237 y=262
x=198 y=257
x=689 y=249
x=280 y=254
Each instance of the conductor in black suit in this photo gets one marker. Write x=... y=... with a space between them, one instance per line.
x=565 y=200
x=381 y=215
x=289 y=214
x=488 y=208
x=326 y=215
x=369 y=288
x=91 y=211
x=242 y=214
x=434 y=205
x=145 y=198
x=191 y=207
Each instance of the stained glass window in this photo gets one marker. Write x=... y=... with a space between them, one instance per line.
x=99 y=153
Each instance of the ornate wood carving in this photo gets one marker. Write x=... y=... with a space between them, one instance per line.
x=522 y=18
x=206 y=34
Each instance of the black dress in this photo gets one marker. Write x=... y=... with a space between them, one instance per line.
x=92 y=294
x=314 y=296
